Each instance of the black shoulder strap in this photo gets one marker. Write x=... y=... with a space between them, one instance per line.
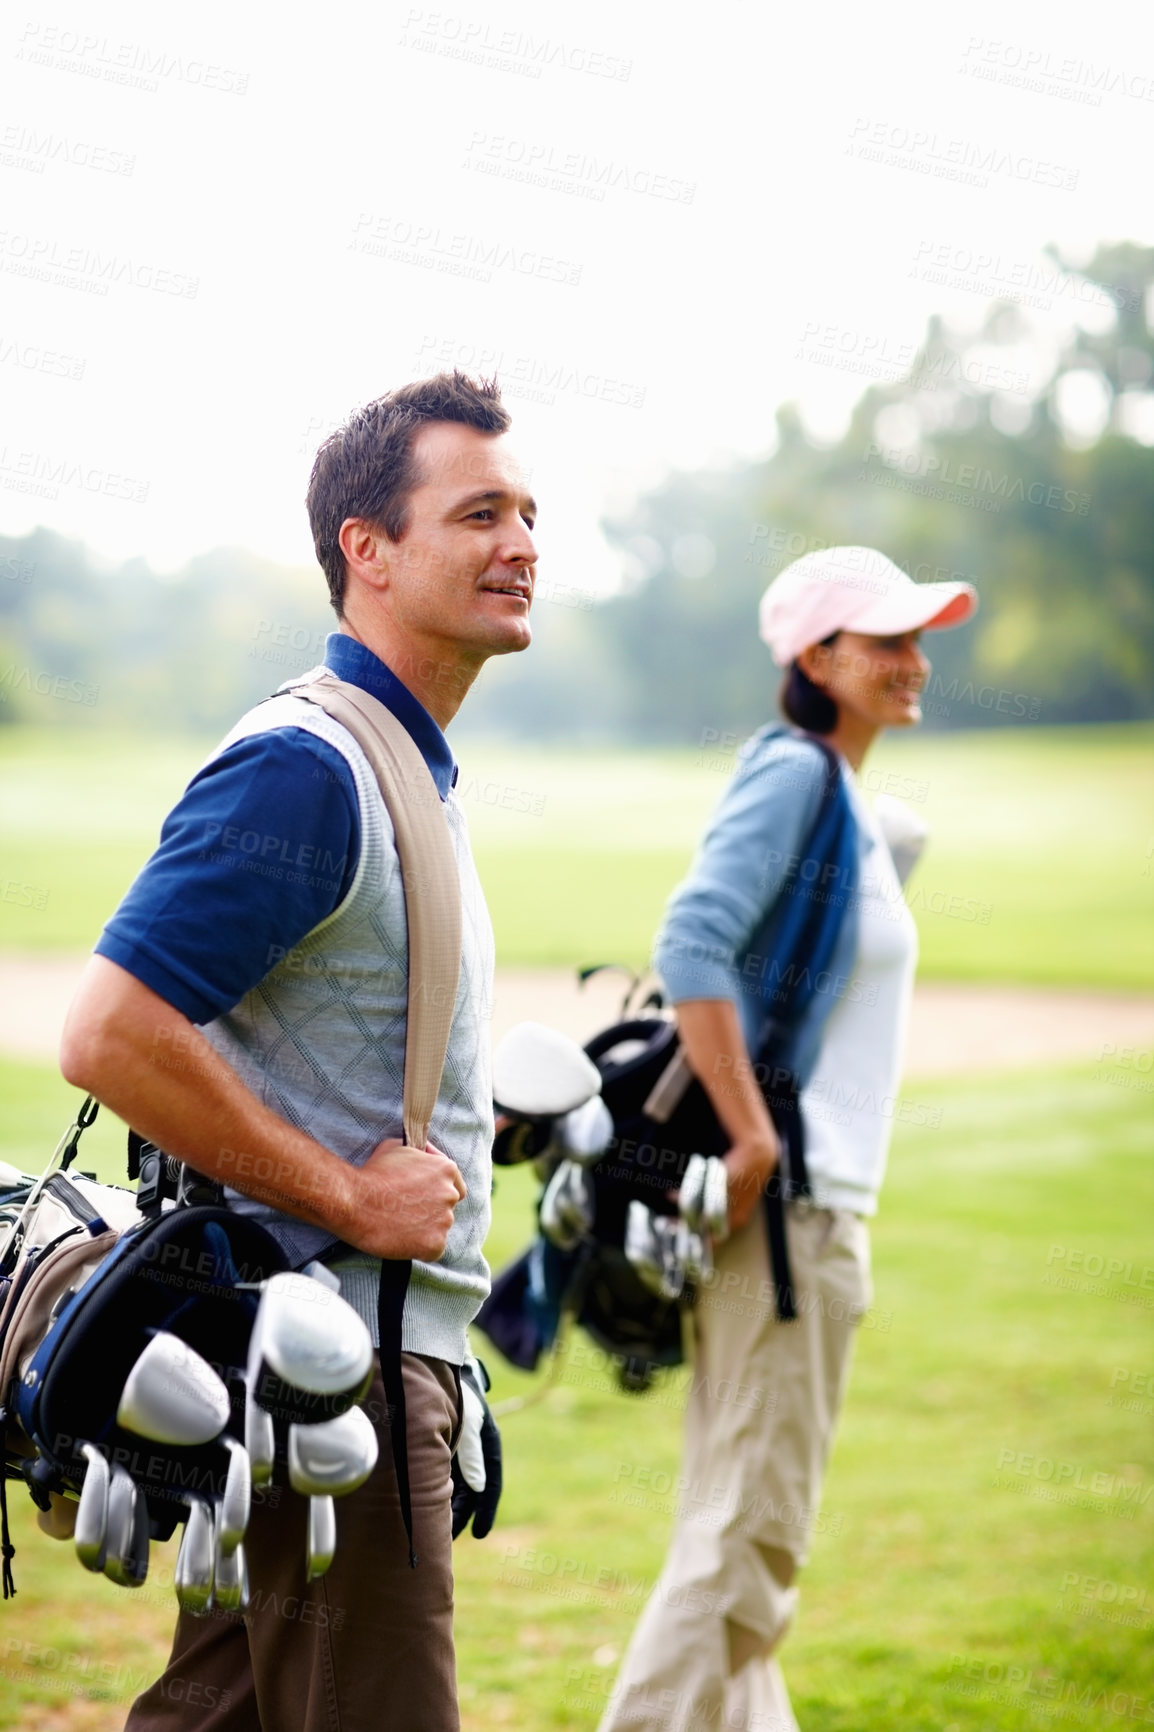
x=806 y=943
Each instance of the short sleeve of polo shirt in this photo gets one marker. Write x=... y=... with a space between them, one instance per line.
x=260 y=849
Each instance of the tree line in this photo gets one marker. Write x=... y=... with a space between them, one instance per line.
x=1031 y=476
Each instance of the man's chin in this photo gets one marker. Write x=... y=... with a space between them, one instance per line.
x=511 y=641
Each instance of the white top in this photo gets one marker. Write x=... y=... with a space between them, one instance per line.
x=849 y=1104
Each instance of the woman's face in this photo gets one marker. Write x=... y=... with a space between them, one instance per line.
x=879 y=680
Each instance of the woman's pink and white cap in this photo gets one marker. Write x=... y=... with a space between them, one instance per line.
x=853 y=589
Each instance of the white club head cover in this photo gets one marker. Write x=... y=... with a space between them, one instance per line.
x=470 y=1456
x=540 y=1073
x=172 y=1395
x=334 y=1457
x=309 y=1336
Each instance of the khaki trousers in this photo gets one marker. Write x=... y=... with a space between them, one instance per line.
x=764 y=1399
x=367 y=1646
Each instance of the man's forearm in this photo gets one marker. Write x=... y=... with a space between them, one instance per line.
x=155 y=1069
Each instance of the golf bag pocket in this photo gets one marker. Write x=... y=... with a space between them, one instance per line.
x=44 y=1280
x=176 y=1272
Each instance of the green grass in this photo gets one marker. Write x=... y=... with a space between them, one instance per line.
x=1040 y=867
x=1012 y=1327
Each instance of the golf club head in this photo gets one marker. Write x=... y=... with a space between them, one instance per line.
x=259 y=1440
x=567 y=1207
x=540 y=1073
x=310 y=1356
x=172 y=1395
x=235 y=1503
x=334 y=1457
x=230 y=1580
x=126 y=1559
x=91 y=1529
x=652 y=1246
x=715 y=1200
x=322 y=1537
x=691 y=1192
x=703 y=1197
x=694 y=1253
x=584 y=1134
x=195 y=1561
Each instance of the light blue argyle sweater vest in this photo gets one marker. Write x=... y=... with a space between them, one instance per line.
x=321 y=1041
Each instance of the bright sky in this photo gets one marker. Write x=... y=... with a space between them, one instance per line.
x=224 y=226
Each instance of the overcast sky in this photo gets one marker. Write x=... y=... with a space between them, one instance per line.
x=222 y=228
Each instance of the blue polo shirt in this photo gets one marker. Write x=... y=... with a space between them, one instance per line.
x=261 y=847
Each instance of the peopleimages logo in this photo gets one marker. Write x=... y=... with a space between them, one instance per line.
x=925 y=471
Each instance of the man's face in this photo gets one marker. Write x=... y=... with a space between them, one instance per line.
x=463 y=571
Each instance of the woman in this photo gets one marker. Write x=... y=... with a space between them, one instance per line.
x=846 y=623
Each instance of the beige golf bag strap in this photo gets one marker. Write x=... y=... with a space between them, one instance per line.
x=429 y=874
x=433 y=915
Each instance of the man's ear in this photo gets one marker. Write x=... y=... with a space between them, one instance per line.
x=365 y=547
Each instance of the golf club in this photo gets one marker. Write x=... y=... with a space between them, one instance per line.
x=259 y=1440
x=584 y=1134
x=92 y=1513
x=195 y=1559
x=235 y=1503
x=539 y=1073
x=566 y=1213
x=309 y=1354
x=322 y=1537
x=230 y=1583
x=126 y=1560
x=334 y=1457
x=655 y=1246
x=172 y=1395
x=715 y=1200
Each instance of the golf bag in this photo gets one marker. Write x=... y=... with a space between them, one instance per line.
x=629 y=1259
x=91 y=1291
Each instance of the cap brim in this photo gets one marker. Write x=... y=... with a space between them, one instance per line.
x=920 y=607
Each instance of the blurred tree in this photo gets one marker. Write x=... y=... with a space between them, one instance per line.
x=1016 y=455
x=1019 y=464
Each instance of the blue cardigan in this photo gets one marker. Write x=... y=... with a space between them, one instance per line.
x=721 y=933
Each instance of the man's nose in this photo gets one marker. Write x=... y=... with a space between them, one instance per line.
x=521 y=546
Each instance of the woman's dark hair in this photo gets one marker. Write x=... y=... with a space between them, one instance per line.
x=806 y=705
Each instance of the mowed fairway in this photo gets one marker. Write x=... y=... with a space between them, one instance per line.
x=1040 y=868
x=984 y=1556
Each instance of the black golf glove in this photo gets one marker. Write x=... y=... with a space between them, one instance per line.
x=477 y=1458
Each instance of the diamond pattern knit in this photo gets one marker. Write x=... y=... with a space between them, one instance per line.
x=321 y=1041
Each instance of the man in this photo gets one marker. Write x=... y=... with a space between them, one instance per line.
x=265 y=944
